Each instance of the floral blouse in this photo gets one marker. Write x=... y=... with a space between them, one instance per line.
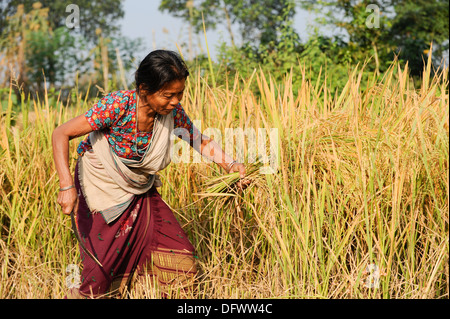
x=115 y=114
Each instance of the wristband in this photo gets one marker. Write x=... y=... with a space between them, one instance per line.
x=230 y=165
x=66 y=188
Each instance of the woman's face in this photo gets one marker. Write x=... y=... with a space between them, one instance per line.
x=167 y=98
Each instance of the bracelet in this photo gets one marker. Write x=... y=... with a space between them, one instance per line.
x=66 y=188
x=230 y=165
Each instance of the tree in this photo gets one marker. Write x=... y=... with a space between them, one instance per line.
x=31 y=48
x=405 y=27
x=417 y=24
x=93 y=14
x=366 y=24
x=259 y=22
x=36 y=53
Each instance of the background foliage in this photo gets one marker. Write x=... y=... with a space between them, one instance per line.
x=404 y=30
x=39 y=52
x=34 y=40
x=363 y=135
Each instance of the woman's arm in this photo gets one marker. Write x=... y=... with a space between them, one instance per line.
x=211 y=150
x=203 y=144
x=74 y=128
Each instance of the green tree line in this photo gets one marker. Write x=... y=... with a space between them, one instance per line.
x=377 y=31
x=38 y=49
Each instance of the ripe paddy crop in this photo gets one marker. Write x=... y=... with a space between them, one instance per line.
x=362 y=179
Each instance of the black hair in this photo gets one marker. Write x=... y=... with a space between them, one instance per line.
x=159 y=68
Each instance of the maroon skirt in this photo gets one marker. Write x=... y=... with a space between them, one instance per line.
x=145 y=240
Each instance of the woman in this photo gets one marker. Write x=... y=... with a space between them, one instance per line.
x=123 y=223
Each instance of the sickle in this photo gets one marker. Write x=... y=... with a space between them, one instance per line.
x=77 y=235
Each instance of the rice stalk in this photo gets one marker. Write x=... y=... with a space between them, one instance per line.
x=362 y=179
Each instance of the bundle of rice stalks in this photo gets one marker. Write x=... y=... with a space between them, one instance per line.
x=228 y=185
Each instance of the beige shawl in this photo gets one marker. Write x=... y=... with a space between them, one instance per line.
x=109 y=182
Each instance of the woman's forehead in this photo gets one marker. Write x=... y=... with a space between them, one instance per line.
x=174 y=86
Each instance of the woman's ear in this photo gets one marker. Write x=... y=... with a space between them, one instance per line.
x=143 y=91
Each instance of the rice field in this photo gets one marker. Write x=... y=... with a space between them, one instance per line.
x=358 y=208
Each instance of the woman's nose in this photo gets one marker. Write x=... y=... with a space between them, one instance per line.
x=176 y=99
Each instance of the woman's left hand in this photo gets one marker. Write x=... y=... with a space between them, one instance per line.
x=239 y=167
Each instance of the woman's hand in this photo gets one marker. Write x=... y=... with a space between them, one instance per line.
x=212 y=151
x=239 y=167
x=67 y=200
x=75 y=127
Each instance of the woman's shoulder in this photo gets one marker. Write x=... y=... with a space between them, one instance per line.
x=121 y=99
x=181 y=119
x=122 y=95
x=178 y=110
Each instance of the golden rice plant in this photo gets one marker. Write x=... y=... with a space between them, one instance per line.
x=362 y=180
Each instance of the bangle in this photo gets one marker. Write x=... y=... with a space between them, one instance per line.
x=230 y=165
x=66 y=188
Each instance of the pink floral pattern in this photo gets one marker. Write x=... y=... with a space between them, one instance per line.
x=115 y=114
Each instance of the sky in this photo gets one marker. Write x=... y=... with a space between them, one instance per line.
x=162 y=31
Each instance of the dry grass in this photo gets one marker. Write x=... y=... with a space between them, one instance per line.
x=362 y=179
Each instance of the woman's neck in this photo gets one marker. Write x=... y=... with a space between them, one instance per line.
x=145 y=109
x=145 y=116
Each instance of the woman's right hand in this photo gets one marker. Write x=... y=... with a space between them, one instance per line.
x=68 y=200
x=73 y=128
